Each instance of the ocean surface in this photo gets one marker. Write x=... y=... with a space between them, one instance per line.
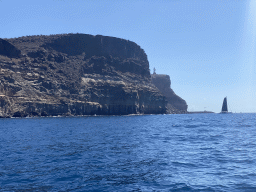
x=189 y=152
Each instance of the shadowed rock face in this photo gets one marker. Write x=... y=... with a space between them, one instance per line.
x=7 y=49
x=175 y=103
x=76 y=74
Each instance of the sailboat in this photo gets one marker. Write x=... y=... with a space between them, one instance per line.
x=224 y=108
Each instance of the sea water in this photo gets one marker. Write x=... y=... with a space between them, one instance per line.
x=189 y=152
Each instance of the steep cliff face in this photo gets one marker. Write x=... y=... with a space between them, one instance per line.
x=76 y=74
x=175 y=103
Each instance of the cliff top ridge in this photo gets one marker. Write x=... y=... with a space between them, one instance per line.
x=76 y=44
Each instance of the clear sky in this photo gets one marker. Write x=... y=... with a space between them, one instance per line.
x=208 y=47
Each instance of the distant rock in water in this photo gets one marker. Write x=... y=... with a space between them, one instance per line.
x=175 y=103
x=75 y=74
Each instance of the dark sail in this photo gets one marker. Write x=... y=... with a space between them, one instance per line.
x=224 y=105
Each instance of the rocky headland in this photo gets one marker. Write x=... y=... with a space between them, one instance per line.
x=77 y=74
x=175 y=104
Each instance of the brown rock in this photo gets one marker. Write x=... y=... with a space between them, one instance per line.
x=77 y=74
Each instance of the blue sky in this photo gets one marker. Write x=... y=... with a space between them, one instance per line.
x=206 y=46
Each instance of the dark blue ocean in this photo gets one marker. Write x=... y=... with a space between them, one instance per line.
x=191 y=152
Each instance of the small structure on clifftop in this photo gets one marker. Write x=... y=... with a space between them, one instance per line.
x=154 y=71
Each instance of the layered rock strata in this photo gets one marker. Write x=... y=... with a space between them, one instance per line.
x=175 y=103
x=75 y=74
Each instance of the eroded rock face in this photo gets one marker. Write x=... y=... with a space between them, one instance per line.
x=175 y=103
x=77 y=74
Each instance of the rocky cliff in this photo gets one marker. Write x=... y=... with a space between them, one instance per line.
x=175 y=103
x=75 y=74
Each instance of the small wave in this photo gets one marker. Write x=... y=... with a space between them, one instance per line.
x=243 y=125
x=245 y=187
x=182 y=164
x=192 y=126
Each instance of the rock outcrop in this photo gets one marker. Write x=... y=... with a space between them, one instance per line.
x=175 y=103
x=75 y=74
x=8 y=49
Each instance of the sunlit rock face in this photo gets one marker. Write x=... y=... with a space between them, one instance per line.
x=76 y=74
x=175 y=103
